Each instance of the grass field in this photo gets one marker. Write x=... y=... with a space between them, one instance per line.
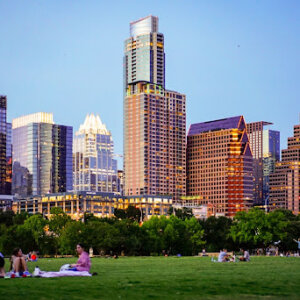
x=163 y=278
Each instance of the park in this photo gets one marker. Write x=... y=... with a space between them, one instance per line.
x=163 y=277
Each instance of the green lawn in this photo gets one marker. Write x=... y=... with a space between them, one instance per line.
x=163 y=278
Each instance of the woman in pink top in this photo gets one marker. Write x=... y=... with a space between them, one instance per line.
x=84 y=262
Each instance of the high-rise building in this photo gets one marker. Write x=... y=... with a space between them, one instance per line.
x=42 y=155
x=3 y=134
x=285 y=181
x=144 y=58
x=220 y=165
x=8 y=157
x=154 y=118
x=95 y=168
x=265 y=146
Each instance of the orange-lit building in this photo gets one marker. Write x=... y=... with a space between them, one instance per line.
x=285 y=181
x=220 y=165
x=154 y=118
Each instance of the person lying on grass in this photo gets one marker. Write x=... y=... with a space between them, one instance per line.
x=84 y=262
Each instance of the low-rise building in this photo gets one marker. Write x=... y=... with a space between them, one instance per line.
x=100 y=204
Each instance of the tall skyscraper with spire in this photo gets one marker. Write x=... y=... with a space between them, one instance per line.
x=95 y=169
x=154 y=118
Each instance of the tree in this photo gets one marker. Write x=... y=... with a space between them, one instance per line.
x=255 y=229
x=6 y=217
x=183 y=213
x=20 y=218
x=58 y=220
x=120 y=213
x=196 y=233
x=101 y=236
x=217 y=233
x=72 y=234
x=36 y=224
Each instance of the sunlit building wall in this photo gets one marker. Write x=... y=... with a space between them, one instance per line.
x=154 y=118
x=285 y=180
x=42 y=155
x=3 y=138
x=95 y=168
x=220 y=165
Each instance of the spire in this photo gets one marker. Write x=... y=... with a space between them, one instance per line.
x=92 y=124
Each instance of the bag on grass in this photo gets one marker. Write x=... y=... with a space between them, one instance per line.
x=64 y=267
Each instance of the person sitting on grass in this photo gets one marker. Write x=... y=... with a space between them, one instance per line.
x=223 y=256
x=2 y=263
x=246 y=256
x=18 y=263
x=84 y=262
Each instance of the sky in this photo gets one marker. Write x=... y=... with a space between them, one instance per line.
x=229 y=57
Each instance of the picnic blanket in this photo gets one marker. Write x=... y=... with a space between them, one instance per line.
x=50 y=274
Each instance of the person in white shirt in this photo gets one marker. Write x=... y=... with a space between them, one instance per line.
x=223 y=256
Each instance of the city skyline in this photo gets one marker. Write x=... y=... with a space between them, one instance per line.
x=229 y=53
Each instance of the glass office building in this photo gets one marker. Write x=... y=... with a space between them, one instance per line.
x=144 y=58
x=265 y=147
x=95 y=168
x=42 y=155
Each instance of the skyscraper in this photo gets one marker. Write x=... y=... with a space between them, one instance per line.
x=220 y=165
x=144 y=59
x=265 y=146
x=8 y=157
x=95 y=169
x=42 y=155
x=3 y=133
x=154 y=118
x=285 y=181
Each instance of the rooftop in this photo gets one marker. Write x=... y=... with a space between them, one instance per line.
x=228 y=123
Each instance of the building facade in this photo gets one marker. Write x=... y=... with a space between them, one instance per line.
x=5 y=148
x=285 y=181
x=95 y=169
x=98 y=203
x=144 y=58
x=3 y=106
x=154 y=118
x=220 y=165
x=42 y=155
x=265 y=146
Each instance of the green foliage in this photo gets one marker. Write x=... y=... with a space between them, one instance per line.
x=217 y=234
x=159 y=235
x=73 y=233
x=58 y=220
x=255 y=229
x=131 y=213
x=181 y=213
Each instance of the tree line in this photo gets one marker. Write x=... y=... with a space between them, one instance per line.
x=179 y=233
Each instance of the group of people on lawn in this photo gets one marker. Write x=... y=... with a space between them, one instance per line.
x=225 y=257
x=19 y=265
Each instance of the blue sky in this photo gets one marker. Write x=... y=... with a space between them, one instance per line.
x=228 y=57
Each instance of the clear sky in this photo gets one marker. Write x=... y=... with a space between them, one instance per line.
x=228 y=57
